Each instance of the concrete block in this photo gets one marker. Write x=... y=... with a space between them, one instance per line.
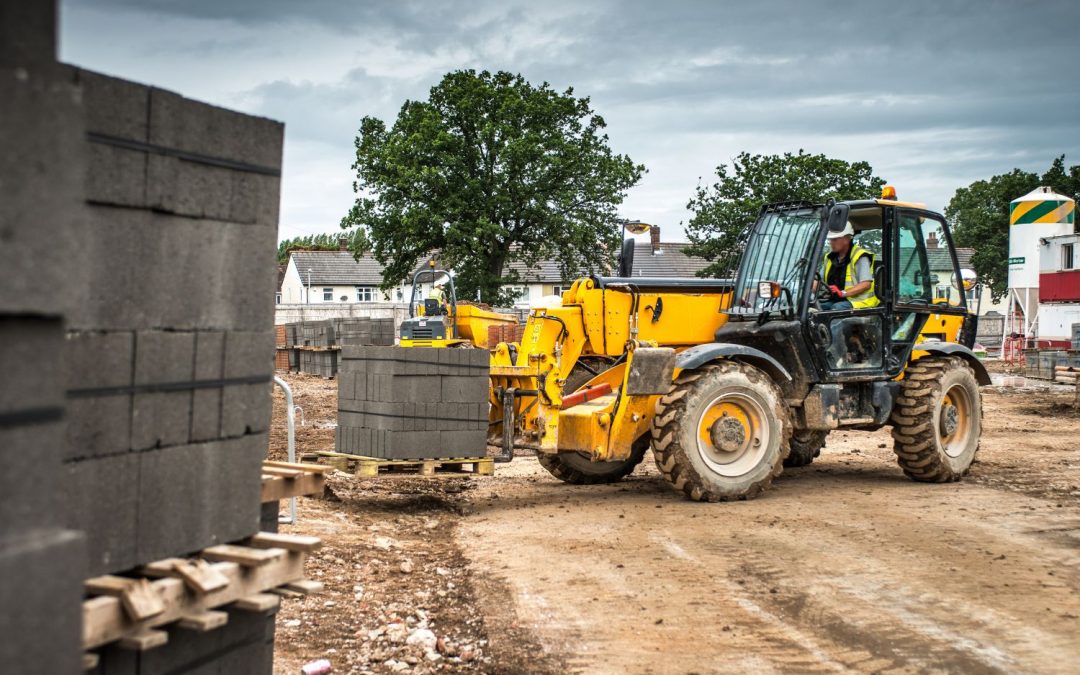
x=27 y=32
x=206 y=402
x=30 y=456
x=115 y=107
x=184 y=124
x=33 y=373
x=465 y=389
x=101 y=497
x=218 y=485
x=162 y=418
x=462 y=443
x=43 y=167
x=99 y=369
x=41 y=592
x=182 y=273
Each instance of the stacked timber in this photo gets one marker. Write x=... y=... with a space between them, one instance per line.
x=412 y=403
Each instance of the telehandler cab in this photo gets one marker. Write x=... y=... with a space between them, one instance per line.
x=730 y=380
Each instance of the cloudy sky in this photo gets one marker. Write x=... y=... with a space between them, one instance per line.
x=933 y=94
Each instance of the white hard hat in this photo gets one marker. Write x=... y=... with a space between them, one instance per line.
x=848 y=231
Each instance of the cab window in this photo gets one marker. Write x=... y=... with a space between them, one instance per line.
x=924 y=272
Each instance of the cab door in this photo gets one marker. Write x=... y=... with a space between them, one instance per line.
x=928 y=298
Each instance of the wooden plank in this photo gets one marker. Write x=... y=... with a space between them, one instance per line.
x=259 y=602
x=105 y=621
x=143 y=639
x=204 y=621
x=137 y=595
x=289 y=542
x=279 y=488
x=241 y=555
x=200 y=576
x=282 y=473
x=303 y=466
x=304 y=586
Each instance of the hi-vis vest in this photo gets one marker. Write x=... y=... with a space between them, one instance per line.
x=867 y=297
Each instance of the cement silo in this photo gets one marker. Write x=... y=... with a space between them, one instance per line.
x=1040 y=214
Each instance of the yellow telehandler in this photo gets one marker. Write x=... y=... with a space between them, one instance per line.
x=730 y=380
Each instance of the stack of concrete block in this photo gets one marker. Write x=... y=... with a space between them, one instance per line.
x=41 y=173
x=169 y=352
x=291 y=334
x=317 y=333
x=321 y=363
x=412 y=403
x=363 y=331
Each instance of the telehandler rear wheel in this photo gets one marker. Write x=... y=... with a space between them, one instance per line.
x=577 y=469
x=937 y=420
x=721 y=432
x=805 y=447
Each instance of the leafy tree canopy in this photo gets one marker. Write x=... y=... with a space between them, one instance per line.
x=489 y=170
x=723 y=210
x=979 y=215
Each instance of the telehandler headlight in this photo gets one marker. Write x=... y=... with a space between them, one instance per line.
x=768 y=289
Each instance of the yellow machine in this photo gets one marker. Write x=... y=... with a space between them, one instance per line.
x=729 y=380
x=441 y=321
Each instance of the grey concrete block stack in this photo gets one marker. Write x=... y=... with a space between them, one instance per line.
x=364 y=331
x=412 y=403
x=41 y=173
x=170 y=350
x=136 y=332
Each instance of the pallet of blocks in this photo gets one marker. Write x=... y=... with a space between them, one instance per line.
x=397 y=403
x=178 y=613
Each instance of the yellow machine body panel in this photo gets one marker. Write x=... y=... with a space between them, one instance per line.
x=471 y=324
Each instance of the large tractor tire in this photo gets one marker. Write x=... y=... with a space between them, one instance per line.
x=937 y=420
x=805 y=447
x=722 y=432
x=577 y=468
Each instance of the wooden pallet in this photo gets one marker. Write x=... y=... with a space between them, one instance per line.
x=187 y=593
x=308 y=348
x=371 y=467
x=282 y=480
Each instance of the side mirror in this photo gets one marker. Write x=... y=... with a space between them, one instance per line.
x=968 y=279
x=626 y=259
x=837 y=217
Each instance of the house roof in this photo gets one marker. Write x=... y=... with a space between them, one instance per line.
x=939 y=258
x=337 y=268
x=671 y=261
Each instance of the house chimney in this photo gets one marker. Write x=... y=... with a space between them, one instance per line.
x=343 y=243
x=654 y=238
x=931 y=241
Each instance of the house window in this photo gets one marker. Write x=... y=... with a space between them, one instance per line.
x=328 y=295
x=559 y=290
x=365 y=294
x=277 y=298
x=520 y=293
x=1067 y=256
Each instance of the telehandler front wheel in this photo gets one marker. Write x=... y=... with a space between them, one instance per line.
x=721 y=432
x=577 y=469
x=937 y=420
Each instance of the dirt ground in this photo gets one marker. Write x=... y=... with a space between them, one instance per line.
x=842 y=565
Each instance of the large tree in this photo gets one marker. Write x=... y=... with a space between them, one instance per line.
x=723 y=210
x=979 y=215
x=489 y=170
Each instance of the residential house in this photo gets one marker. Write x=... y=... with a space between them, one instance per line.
x=316 y=277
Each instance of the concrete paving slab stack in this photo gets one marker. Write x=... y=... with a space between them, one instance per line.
x=412 y=403
x=41 y=174
x=170 y=350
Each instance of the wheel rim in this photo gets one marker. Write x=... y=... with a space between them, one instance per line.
x=732 y=434
x=954 y=423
